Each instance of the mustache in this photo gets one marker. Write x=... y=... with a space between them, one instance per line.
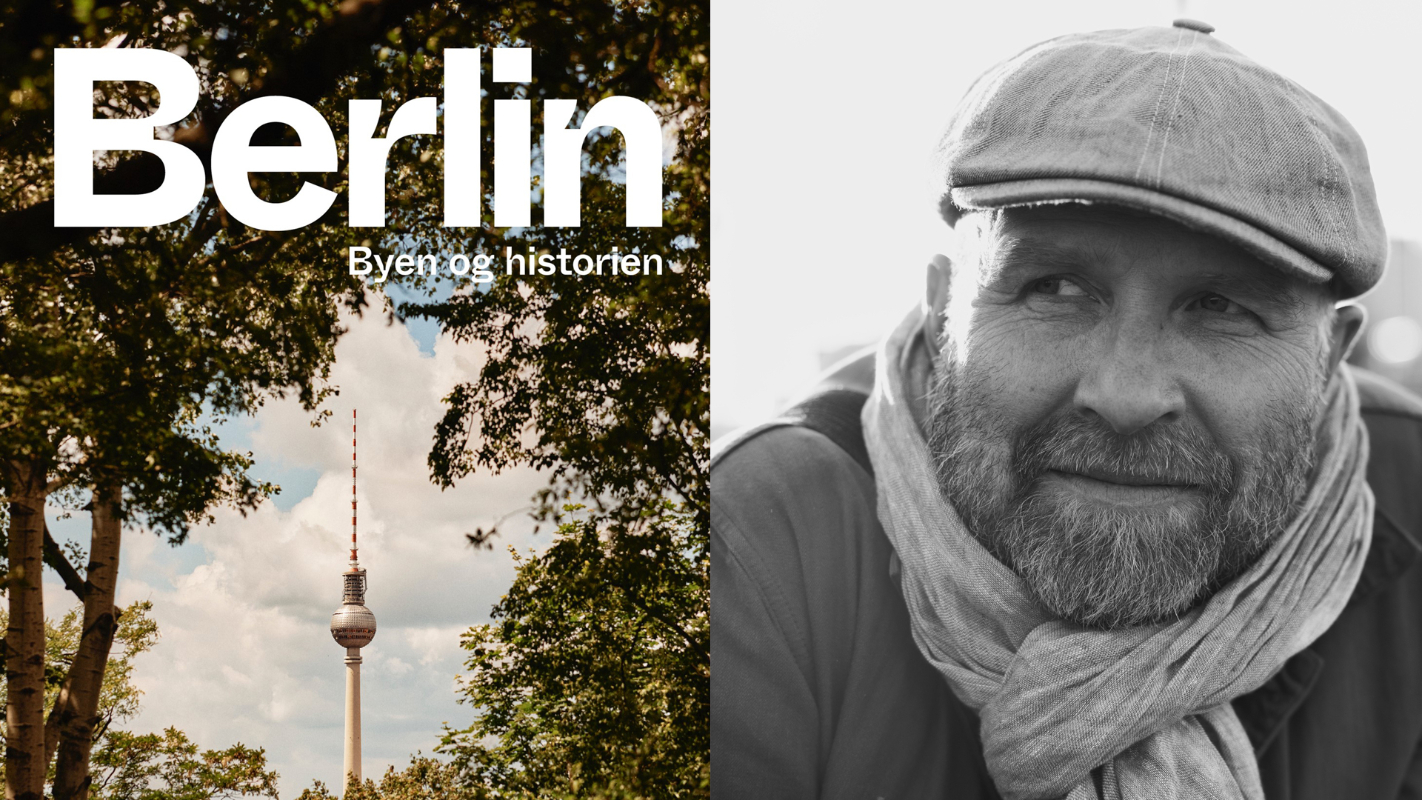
x=1176 y=453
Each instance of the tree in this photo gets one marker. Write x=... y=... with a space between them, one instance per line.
x=593 y=676
x=130 y=766
x=135 y=633
x=115 y=346
x=594 y=679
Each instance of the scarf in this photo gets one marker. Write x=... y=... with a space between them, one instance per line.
x=1150 y=705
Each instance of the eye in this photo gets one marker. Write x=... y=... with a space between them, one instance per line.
x=1220 y=304
x=1057 y=285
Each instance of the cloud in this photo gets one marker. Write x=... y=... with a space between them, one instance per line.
x=244 y=607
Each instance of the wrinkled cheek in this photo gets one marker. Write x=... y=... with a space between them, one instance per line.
x=1272 y=436
x=1023 y=374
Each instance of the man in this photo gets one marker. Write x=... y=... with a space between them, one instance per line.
x=1116 y=520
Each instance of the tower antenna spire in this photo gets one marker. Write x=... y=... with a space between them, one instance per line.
x=353 y=486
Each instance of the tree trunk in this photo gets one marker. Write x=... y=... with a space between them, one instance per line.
x=76 y=711
x=24 y=639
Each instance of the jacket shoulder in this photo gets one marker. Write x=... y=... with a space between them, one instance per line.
x=790 y=478
x=796 y=513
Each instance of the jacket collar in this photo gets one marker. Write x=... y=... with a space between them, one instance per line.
x=1392 y=551
x=1264 y=711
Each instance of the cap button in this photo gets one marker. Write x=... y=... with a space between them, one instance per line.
x=1194 y=25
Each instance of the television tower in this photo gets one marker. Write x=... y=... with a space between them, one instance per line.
x=353 y=626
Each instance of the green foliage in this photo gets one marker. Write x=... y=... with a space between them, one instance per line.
x=602 y=380
x=432 y=779
x=136 y=633
x=117 y=347
x=168 y=766
x=594 y=676
x=424 y=779
x=594 y=679
x=118 y=698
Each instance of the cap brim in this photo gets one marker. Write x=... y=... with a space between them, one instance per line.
x=1039 y=191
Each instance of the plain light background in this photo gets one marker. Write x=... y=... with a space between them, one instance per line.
x=826 y=113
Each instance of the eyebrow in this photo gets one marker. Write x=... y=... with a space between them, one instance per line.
x=1017 y=253
x=1014 y=253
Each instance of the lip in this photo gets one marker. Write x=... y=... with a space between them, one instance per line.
x=1134 y=490
x=1125 y=479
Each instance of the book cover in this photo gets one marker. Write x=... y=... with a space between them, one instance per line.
x=397 y=310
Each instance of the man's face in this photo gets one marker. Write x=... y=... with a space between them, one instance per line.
x=1123 y=409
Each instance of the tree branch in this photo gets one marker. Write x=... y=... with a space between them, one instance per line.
x=671 y=625
x=57 y=484
x=57 y=561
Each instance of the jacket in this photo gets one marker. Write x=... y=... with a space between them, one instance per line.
x=818 y=691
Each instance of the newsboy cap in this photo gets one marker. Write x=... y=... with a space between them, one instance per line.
x=1173 y=122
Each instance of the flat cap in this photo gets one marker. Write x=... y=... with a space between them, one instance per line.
x=1176 y=123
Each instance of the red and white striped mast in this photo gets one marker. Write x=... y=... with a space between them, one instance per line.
x=353 y=488
x=353 y=626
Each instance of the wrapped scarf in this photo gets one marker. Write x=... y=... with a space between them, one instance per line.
x=1148 y=705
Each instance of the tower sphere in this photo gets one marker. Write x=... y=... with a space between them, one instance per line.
x=353 y=625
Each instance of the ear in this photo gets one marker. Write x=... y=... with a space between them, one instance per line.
x=935 y=299
x=1346 y=326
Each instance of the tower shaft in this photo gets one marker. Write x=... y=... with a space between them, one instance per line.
x=352 y=760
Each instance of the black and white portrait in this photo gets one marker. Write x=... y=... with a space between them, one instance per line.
x=1068 y=437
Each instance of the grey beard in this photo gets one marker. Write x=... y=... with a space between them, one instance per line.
x=1105 y=566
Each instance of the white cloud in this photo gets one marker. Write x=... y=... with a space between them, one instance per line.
x=244 y=606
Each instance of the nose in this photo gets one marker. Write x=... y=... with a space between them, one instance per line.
x=1128 y=383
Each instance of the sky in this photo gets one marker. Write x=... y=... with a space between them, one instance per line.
x=826 y=112
x=244 y=606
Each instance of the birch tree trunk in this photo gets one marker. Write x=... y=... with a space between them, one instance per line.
x=24 y=638
x=76 y=711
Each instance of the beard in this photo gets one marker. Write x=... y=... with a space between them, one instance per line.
x=1106 y=565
